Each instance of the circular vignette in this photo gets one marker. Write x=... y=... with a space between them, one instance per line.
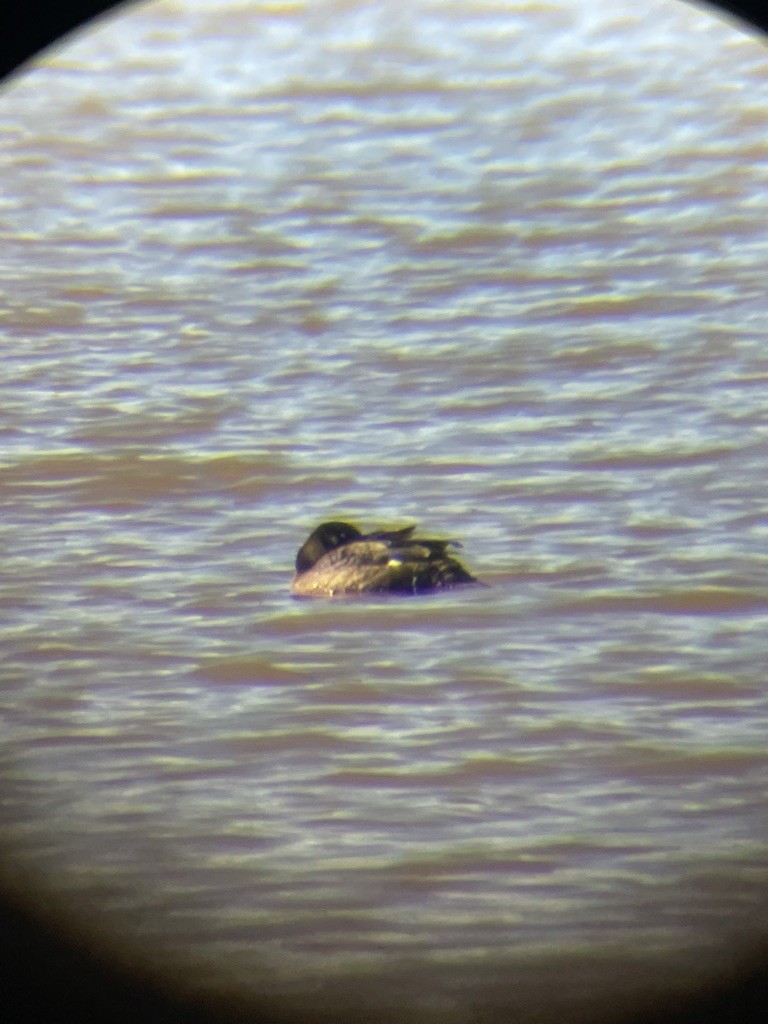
x=51 y=970
x=37 y=26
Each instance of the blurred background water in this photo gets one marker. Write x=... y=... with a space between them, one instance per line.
x=497 y=268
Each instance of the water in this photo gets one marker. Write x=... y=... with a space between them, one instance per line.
x=495 y=268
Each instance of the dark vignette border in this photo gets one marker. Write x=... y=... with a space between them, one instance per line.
x=51 y=972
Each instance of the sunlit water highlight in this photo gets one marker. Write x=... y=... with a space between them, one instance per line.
x=496 y=268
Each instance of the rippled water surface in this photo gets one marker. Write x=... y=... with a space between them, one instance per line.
x=498 y=268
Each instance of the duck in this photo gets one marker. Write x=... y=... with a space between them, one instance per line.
x=337 y=560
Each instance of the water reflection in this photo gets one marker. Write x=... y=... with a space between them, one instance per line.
x=494 y=270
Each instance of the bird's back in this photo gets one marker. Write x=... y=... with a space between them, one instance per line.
x=380 y=562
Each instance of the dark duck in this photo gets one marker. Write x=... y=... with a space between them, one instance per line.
x=338 y=560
